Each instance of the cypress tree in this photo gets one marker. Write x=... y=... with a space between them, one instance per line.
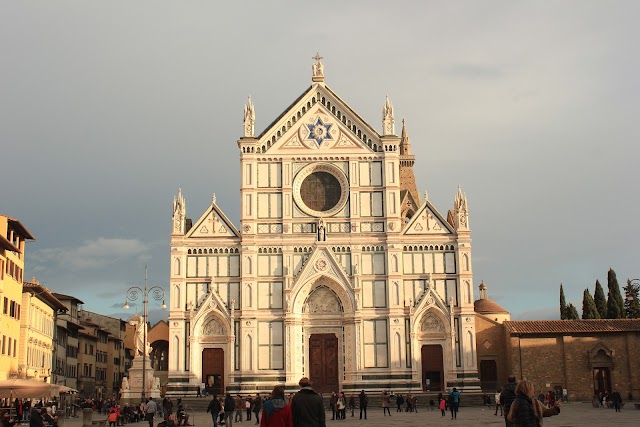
x=632 y=301
x=563 y=304
x=615 y=304
x=589 y=310
x=601 y=301
x=572 y=313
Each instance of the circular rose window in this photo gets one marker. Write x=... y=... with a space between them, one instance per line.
x=320 y=189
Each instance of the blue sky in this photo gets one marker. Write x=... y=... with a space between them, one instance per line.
x=108 y=108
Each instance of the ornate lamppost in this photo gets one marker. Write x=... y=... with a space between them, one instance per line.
x=133 y=293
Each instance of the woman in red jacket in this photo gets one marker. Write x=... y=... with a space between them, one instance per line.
x=275 y=411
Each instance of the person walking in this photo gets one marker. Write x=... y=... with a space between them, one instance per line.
x=276 y=412
x=364 y=401
x=307 y=409
x=616 y=399
x=229 y=407
x=150 y=410
x=214 y=408
x=526 y=411
x=257 y=407
x=443 y=407
x=507 y=396
x=385 y=404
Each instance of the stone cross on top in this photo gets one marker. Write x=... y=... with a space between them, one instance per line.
x=317 y=69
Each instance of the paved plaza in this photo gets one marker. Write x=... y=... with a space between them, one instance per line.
x=573 y=415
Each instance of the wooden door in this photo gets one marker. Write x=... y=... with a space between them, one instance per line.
x=488 y=375
x=323 y=362
x=432 y=368
x=213 y=370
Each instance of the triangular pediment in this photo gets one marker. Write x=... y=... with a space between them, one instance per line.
x=427 y=221
x=321 y=262
x=319 y=121
x=213 y=223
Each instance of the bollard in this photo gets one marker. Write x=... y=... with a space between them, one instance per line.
x=60 y=416
x=87 y=417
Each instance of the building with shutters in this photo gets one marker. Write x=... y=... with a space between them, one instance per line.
x=339 y=270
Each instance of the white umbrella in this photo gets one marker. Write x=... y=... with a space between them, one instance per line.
x=25 y=389
x=64 y=389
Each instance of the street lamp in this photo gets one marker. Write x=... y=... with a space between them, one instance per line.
x=157 y=293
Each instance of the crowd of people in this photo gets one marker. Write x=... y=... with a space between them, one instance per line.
x=36 y=414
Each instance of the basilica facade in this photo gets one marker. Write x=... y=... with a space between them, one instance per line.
x=339 y=270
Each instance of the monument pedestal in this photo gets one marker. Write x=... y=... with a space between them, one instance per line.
x=131 y=390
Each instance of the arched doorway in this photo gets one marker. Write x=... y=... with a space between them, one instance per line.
x=323 y=312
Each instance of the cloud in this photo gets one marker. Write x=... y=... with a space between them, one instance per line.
x=91 y=254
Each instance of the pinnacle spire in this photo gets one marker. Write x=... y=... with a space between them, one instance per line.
x=249 y=119
x=388 y=119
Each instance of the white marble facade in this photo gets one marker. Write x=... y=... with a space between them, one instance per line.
x=338 y=270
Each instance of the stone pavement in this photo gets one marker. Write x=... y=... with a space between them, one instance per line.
x=572 y=415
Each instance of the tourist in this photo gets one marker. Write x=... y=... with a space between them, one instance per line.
x=352 y=404
x=385 y=403
x=214 y=408
x=454 y=402
x=275 y=411
x=229 y=407
x=239 y=408
x=507 y=396
x=257 y=407
x=432 y=404
x=307 y=409
x=341 y=406
x=616 y=399
x=399 y=402
x=443 y=407
x=333 y=401
x=364 y=401
x=498 y=404
x=36 y=419
x=526 y=411
x=150 y=411
x=248 y=403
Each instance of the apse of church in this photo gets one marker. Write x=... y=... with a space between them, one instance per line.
x=338 y=271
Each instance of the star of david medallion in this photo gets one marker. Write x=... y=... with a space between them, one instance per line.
x=319 y=131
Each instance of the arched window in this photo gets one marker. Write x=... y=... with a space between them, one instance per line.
x=176 y=297
x=398 y=341
x=176 y=267
x=175 y=350
x=248 y=294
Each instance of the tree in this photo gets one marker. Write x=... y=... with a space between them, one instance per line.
x=563 y=304
x=632 y=303
x=572 y=313
x=589 y=310
x=615 y=304
x=601 y=301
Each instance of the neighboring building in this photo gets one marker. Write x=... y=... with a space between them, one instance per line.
x=111 y=349
x=37 y=329
x=584 y=356
x=339 y=270
x=13 y=236
x=67 y=331
x=491 y=347
x=88 y=340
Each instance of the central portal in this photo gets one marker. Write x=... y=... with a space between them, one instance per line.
x=323 y=362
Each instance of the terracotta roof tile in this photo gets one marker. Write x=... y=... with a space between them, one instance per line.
x=518 y=327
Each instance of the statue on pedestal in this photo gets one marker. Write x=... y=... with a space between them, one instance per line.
x=141 y=330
